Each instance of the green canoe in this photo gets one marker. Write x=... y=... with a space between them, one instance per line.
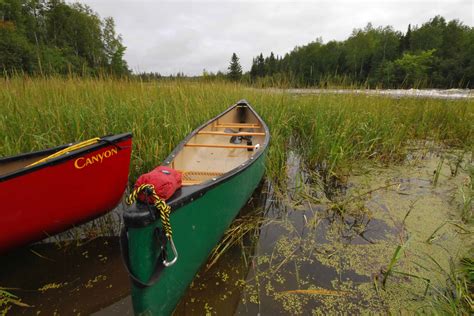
x=222 y=162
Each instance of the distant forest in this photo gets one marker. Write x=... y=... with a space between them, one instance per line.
x=39 y=37
x=42 y=37
x=436 y=54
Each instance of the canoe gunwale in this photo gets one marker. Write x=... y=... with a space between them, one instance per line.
x=139 y=215
x=104 y=141
x=178 y=201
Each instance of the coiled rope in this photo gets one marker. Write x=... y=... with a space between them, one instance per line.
x=160 y=205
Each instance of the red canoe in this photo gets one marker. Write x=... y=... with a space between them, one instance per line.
x=45 y=192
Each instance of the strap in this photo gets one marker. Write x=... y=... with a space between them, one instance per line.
x=160 y=239
x=111 y=143
x=66 y=150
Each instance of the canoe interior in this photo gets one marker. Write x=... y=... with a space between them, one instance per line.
x=20 y=163
x=220 y=146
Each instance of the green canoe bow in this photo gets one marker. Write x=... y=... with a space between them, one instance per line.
x=198 y=225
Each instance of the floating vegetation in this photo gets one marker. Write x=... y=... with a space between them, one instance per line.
x=317 y=292
x=363 y=250
x=91 y=282
x=70 y=281
x=51 y=286
x=350 y=178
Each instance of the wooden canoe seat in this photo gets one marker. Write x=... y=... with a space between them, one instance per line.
x=237 y=125
x=231 y=134
x=220 y=146
x=192 y=177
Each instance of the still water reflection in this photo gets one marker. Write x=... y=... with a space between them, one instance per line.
x=294 y=253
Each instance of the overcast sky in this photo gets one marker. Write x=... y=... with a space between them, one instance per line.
x=189 y=36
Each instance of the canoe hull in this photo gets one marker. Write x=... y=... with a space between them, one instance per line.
x=197 y=228
x=52 y=198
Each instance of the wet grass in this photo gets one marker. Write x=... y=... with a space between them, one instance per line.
x=333 y=136
x=457 y=297
x=411 y=264
x=467 y=195
x=332 y=132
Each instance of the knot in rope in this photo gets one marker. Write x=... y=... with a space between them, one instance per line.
x=159 y=204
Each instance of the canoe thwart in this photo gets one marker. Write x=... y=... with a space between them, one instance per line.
x=221 y=146
x=237 y=125
x=231 y=134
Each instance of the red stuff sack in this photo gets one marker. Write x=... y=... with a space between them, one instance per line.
x=165 y=180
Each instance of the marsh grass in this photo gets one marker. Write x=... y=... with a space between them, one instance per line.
x=437 y=172
x=467 y=195
x=332 y=135
x=455 y=298
x=395 y=258
x=391 y=271
x=332 y=132
x=243 y=230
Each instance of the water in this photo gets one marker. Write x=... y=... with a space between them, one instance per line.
x=307 y=258
x=66 y=281
x=395 y=93
x=299 y=255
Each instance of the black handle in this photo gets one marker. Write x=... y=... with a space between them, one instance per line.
x=161 y=240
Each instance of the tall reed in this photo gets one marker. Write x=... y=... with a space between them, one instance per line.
x=332 y=132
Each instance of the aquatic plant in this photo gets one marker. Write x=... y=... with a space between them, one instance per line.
x=395 y=258
x=332 y=134
x=467 y=195
x=437 y=172
x=7 y=300
x=455 y=298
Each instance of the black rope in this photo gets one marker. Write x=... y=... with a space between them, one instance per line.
x=108 y=141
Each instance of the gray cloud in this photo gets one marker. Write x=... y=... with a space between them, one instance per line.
x=188 y=36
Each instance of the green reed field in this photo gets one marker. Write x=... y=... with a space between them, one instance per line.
x=332 y=132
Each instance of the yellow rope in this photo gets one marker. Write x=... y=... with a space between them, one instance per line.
x=67 y=150
x=160 y=205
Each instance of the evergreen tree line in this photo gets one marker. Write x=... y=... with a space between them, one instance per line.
x=437 y=54
x=53 y=37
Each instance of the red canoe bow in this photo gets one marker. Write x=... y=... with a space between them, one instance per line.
x=40 y=197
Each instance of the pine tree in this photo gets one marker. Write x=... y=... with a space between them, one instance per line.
x=260 y=66
x=235 y=70
x=270 y=64
x=253 y=69
x=405 y=40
